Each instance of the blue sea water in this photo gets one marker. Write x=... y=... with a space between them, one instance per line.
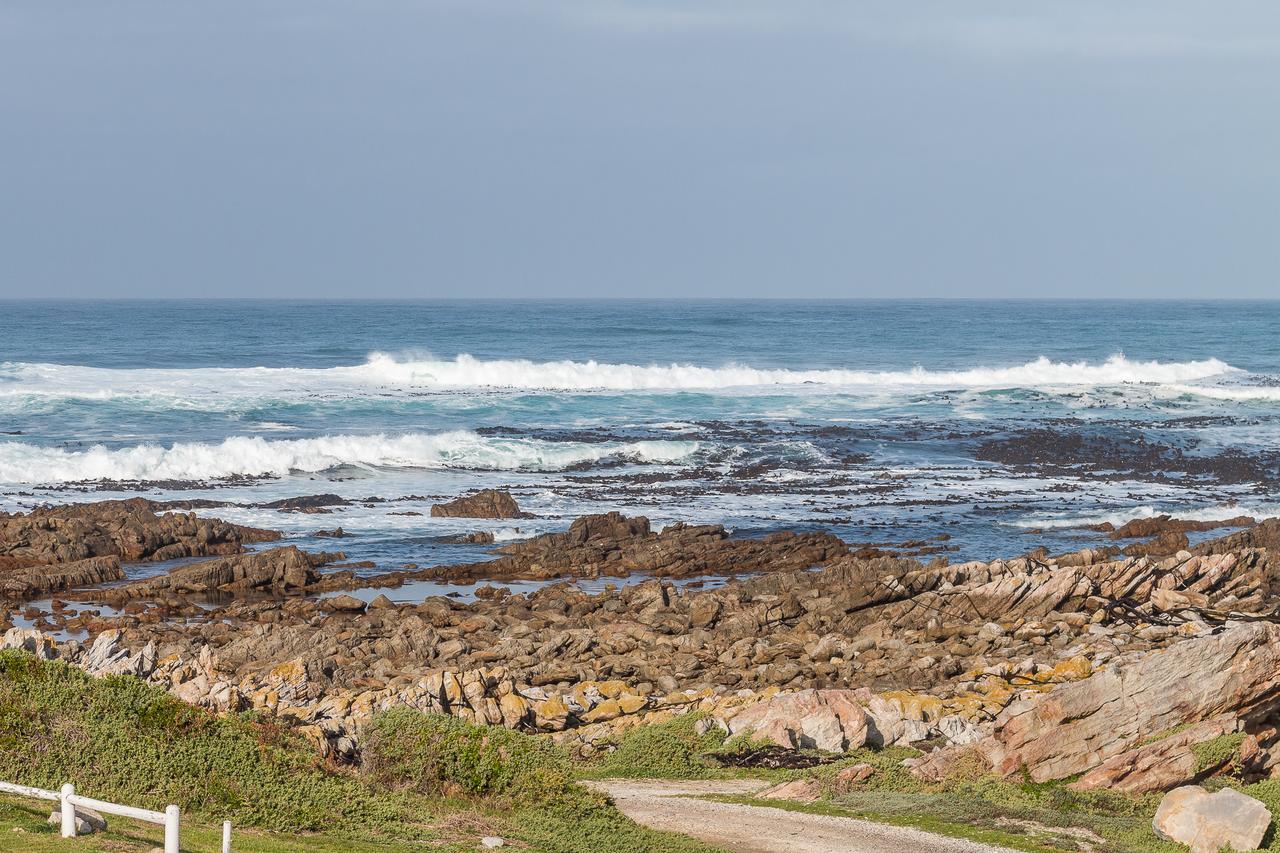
x=874 y=419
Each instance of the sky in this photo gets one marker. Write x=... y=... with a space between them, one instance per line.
x=727 y=148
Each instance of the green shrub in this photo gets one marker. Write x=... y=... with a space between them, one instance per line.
x=667 y=750
x=123 y=740
x=1223 y=749
x=441 y=755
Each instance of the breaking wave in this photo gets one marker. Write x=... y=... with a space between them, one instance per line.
x=256 y=456
x=385 y=374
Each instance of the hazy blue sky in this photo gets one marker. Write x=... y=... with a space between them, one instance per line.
x=620 y=147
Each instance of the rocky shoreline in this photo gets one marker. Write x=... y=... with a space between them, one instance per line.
x=1113 y=667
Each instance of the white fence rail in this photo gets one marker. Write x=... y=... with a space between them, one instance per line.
x=169 y=818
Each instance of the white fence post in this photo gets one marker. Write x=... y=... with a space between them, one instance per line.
x=171 y=816
x=226 y=836
x=68 y=811
x=68 y=799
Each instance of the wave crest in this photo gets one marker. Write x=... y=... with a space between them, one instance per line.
x=385 y=374
x=254 y=456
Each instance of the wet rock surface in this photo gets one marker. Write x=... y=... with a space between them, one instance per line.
x=51 y=549
x=489 y=503
x=276 y=569
x=614 y=545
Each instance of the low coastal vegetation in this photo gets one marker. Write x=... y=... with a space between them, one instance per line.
x=427 y=779
x=972 y=804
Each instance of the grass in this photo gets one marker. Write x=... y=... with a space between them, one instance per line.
x=531 y=777
x=445 y=756
x=668 y=750
x=440 y=782
x=431 y=780
x=1019 y=815
x=24 y=827
x=1224 y=749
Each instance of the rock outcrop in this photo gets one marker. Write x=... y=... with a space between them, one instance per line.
x=34 y=580
x=51 y=549
x=613 y=545
x=829 y=720
x=276 y=569
x=1132 y=665
x=1076 y=727
x=1164 y=763
x=489 y=503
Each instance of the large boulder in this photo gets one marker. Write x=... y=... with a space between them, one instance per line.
x=88 y=821
x=489 y=503
x=109 y=656
x=30 y=640
x=1209 y=822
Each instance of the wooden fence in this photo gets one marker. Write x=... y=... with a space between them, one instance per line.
x=68 y=798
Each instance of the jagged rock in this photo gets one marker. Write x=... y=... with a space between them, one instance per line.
x=1266 y=534
x=313 y=504
x=1236 y=672
x=276 y=568
x=130 y=530
x=489 y=503
x=805 y=790
x=31 y=581
x=615 y=545
x=849 y=777
x=959 y=731
x=107 y=656
x=1209 y=822
x=344 y=604
x=830 y=720
x=1158 y=766
x=30 y=640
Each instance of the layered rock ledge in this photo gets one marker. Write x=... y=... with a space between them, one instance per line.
x=63 y=547
x=1116 y=670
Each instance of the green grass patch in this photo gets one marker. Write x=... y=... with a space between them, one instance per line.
x=430 y=780
x=1222 y=750
x=24 y=827
x=440 y=755
x=667 y=750
x=123 y=740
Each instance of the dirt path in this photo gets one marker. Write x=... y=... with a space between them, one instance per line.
x=663 y=804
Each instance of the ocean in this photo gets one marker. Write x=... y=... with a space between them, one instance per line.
x=990 y=427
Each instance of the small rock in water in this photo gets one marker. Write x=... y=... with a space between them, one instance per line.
x=492 y=841
x=489 y=503
x=1207 y=822
x=345 y=604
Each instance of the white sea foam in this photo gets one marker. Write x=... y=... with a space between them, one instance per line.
x=385 y=374
x=1220 y=512
x=255 y=456
x=1234 y=393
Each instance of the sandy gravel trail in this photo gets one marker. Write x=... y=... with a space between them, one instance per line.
x=666 y=805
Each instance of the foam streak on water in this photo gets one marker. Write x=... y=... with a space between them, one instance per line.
x=882 y=421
